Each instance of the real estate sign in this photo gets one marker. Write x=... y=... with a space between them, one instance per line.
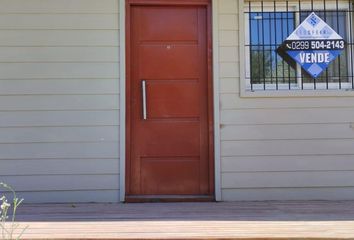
x=313 y=45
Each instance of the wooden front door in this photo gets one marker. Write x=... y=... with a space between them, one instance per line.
x=169 y=100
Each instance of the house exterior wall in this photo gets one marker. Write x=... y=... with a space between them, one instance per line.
x=59 y=113
x=59 y=99
x=276 y=147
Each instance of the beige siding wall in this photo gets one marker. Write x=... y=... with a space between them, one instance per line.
x=280 y=148
x=59 y=99
x=59 y=113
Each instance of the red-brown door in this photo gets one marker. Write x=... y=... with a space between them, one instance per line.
x=169 y=113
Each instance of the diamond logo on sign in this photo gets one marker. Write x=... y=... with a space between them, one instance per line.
x=313 y=45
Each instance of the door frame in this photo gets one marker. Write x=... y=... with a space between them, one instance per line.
x=213 y=89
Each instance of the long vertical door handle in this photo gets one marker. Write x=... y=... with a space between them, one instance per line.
x=143 y=88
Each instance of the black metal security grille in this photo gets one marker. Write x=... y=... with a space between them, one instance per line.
x=269 y=23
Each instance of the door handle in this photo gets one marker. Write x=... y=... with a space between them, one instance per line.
x=143 y=89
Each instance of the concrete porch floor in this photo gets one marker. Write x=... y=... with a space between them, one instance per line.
x=231 y=220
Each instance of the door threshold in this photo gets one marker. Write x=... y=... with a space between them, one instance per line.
x=168 y=198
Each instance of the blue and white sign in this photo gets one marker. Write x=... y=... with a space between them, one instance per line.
x=314 y=45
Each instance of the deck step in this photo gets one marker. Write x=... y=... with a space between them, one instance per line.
x=240 y=220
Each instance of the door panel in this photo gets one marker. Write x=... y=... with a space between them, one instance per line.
x=169 y=60
x=162 y=23
x=162 y=95
x=165 y=176
x=169 y=152
x=170 y=139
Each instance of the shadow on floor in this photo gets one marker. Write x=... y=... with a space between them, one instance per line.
x=223 y=211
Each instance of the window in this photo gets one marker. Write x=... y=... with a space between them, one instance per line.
x=269 y=23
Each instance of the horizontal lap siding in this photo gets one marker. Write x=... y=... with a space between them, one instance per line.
x=53 y=38
x=286 y=163
x=58 y=118
x=67 y=54
x=313 y=193
x=288 y=131
x=279 y=148
x=65 y=182
x=58 y=86
x=68 y=196
x=59 y=113
x=108 y=21
x=63 y=6
x=59 y=134
x=58 y=70
x=59 y=99
x=60 y=166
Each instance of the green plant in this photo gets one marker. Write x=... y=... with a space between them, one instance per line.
x=10 y=230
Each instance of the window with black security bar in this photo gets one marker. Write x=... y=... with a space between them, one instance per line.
x=269 y=66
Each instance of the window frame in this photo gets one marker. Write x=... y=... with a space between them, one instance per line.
x=297 y=89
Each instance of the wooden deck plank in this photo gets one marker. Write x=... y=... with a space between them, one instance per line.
x=238 y=220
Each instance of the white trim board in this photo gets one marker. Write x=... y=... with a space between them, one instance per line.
x=122 y=100
x=216 y=97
